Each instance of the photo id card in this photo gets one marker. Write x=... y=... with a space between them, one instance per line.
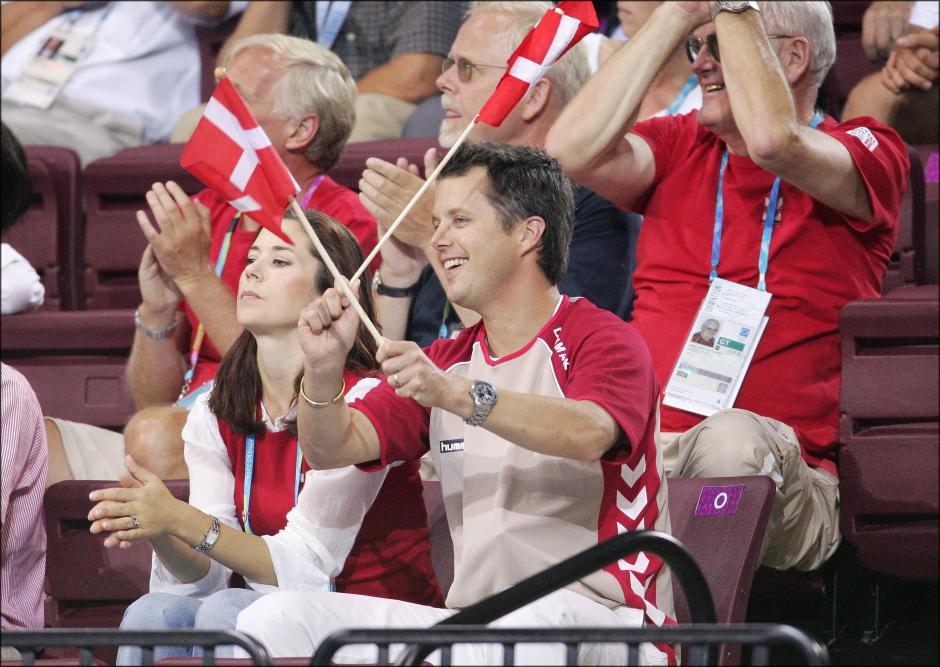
x=718 y=349
x=50 y=69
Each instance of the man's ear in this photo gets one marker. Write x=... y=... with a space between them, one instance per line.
x=537 y=99
x=304 y=132
x=795 y=59
x=530 y=234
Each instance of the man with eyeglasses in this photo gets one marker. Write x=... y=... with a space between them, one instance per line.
x=788 y=208
x=410 y=301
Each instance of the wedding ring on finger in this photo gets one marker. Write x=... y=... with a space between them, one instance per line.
x=397 y=382
x=135 y=522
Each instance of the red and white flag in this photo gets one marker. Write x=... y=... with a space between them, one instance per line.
x=231 y=154
x=557 y=31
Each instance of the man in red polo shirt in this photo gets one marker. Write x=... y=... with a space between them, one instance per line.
x=303 y=97
x=809 y=210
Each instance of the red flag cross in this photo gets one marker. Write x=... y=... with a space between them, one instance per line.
x=231 y=154
x=557 y=31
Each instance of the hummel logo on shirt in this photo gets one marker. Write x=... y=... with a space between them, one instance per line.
x=455 y=445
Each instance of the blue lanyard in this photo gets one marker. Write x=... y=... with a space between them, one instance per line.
x=249 y=471
x=764 y=257
x=330 y=18
x=681 y=95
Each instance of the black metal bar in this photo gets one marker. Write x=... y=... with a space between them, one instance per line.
x=84 y=638
x=667 y=547
x=806 y=649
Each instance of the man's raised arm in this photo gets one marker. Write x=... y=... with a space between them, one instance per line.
x=772 y=94
x=590 y=138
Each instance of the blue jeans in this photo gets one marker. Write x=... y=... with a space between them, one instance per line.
x=164 y=611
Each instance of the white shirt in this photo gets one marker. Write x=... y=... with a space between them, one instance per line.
x=20 y=286
x=144 y=65
x=320 y=531
x=925 y=14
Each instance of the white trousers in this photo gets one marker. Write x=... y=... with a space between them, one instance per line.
x=295 y=624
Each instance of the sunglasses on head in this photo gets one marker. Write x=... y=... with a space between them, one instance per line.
x=465 y=68
x=694 y=44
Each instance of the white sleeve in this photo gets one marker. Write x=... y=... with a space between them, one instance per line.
x=20 y=286
x=211 y=490
x=322 y=529
x=925 y=14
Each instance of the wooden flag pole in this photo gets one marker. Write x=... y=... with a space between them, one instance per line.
x=344 y=285
x=414 y=200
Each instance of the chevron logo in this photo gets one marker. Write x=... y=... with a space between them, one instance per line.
x=632 y=510
x=631 y=475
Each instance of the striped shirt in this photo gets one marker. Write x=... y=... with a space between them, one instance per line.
x=23 y=555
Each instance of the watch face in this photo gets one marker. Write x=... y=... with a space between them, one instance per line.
x=484 y=393
x=733 y=5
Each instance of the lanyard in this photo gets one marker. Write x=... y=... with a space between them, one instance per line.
x=308 y=195
x=443 y=333
x=73 y=15
x=330 y=17
x=764 y=255
x=681 y=95
x=200 y=330
x=249 y=472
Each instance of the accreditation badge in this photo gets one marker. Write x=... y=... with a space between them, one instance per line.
x=718 y=348
x=50 y=69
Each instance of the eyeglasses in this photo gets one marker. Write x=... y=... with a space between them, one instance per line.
x=694 y=44
x=465 y=68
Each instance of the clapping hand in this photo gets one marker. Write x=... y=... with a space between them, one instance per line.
x=142 y=508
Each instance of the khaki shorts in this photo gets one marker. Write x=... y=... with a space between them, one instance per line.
x=92 y=452
x=803 y=531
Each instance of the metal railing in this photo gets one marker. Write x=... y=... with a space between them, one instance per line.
x=759 y=639
x=30 y=642
x=667 y=547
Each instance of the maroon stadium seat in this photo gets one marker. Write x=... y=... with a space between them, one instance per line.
x=46 y=234
x=850 y=67
x=889 y=432
x=89 y=585
x=113 y=243
x=727 y=545
x=925 y=238
x=74 y=361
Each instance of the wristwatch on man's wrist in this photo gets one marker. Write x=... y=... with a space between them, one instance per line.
x=733 y=6
x=382 y=289
x=484 y=398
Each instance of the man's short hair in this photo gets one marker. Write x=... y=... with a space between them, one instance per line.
x=568 y=73
x=524 y=182
x=316 y=82
x=812 y=20
x=17 y=182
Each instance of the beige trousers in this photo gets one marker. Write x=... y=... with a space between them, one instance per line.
x=91 y=132
x=803 y=531
x=379 y=117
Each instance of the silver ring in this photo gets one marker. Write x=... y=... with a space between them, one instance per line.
x=135 y=522
x=397 y=383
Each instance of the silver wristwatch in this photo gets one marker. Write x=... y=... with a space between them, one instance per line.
x=154 y=334
x=484 y=398
x=733 y=6
x=212 y=536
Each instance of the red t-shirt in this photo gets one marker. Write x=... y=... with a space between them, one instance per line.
x=330 y=197
x=391 y=557
x=820 y=259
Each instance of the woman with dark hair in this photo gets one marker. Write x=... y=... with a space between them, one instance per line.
x=255 y=508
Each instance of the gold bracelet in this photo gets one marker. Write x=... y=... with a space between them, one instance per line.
x=318 y=404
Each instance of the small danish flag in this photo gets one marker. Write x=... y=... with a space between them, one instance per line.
x=231 y=154
x=558 y=30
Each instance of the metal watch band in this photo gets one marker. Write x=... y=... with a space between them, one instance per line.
x=733 y=6
x=212 y=535
x=484 y=398
x=155 y=334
